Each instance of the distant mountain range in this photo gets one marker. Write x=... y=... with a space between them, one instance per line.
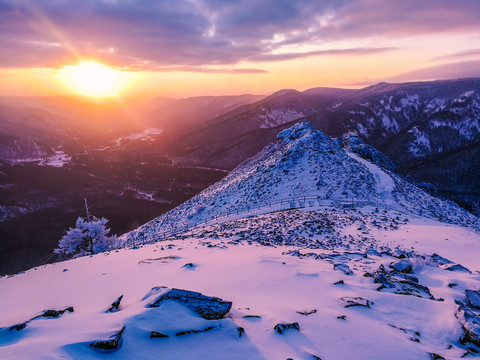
x=431 y=130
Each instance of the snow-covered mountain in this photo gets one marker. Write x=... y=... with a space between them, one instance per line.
x=304 y=162
x=302 y=274
x=430 y=130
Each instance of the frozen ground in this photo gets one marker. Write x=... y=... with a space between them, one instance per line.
x=298 y=275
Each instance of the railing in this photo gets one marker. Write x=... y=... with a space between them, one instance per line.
x=299 y=202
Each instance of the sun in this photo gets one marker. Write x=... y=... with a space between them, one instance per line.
x=90 y=78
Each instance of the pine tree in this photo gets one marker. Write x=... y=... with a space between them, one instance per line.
x=90 y=236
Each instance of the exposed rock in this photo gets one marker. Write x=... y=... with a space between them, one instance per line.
x=439 y=260
x=403 y=266
x=400 y=283
x=19 y=327
x=51 y=313
x=208 y=307
x=436 y=356
x=187 y=332
x=355 y=301
x=115 y=305
x=344 y=268
x=342 y=317
x=458 y=268
x=307 y=312
x=281 y=327
x=114 y=342
x=54 y=313
x=190 y=266
x=156 y=334
x=251 y=317
x=470 y=322
x=340 y=282
x=241 y=331
x=473 y=298
x=353 y=142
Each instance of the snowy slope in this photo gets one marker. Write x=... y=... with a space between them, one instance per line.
x=304 y=267
x=384 y=279
x=303 y=161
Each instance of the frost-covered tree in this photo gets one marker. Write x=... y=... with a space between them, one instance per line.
x=90 y=236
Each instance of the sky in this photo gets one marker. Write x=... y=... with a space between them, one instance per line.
x=181 y=48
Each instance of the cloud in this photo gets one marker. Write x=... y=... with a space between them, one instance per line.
x=149 y=34
x=211 y=70
x=289 y=56
x=453 y=70
x=461 y=54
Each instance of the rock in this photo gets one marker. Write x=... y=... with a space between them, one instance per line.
x=473 y=298
x=439 y=260
x=355 y=301
x=342 y=317
x=400 y=283
x=307 y=312
x=156 y=334
x=19 y=327
x=403 y=266
x=434 y=356
x=51 y=313
x=458 y=268
x=114 y=342
x=470 y=322
x=190 y=266
x=181 y=333
x=340 y=282
x=54 y=313
x=251 y=317
x=241 y=331
x=281 y=327
x=344 y=268
x=208 y=307
x=115 y=304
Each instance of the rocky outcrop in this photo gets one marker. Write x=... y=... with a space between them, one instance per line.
x=348 y=301
x=208 y=307
x=400 y=282
x=282 y=327
x=51 y=313
x=470 y=321
x=115 y=305
x=113 y=343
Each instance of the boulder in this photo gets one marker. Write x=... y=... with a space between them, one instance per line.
x=115 y=304
x=355 y=301
x=208 y=307
x=470 y=322
x=403 y=266
x=113 y=343
x=157 y=334
x=457 y=268
x=281 y=327
x=473 y=298
x=344 y=268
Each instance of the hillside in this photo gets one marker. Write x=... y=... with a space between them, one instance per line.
x=305 y=162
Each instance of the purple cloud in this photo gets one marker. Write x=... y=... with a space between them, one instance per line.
x=149 y=34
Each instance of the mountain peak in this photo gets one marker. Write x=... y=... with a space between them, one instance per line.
x=303 y=163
